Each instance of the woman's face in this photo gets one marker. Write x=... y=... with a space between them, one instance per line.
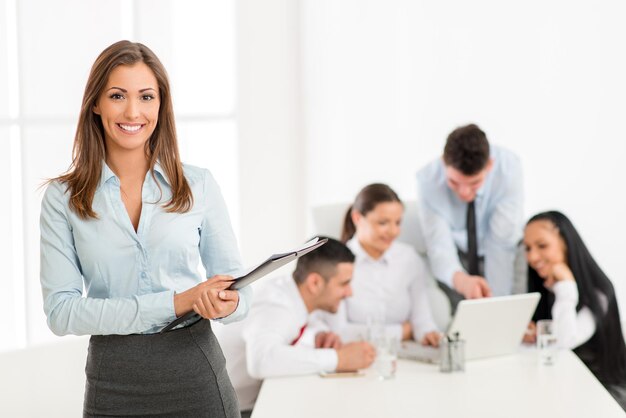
x=129 y=107
x=379 y=227
x=544 y=247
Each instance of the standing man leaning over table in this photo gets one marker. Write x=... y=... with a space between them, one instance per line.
x=471 y=215
x=268 y=343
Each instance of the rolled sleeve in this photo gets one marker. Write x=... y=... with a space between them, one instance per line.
x=441 y=249
x=504 y=229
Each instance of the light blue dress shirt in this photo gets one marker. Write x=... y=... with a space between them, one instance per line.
x=499 y=220
x=130 y=277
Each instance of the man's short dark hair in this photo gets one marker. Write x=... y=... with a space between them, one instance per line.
x=467 y=150
x=323 y=260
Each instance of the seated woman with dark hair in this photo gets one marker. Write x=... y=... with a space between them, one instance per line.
x=578 y=297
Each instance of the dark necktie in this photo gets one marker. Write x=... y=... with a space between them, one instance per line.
x=472 y=241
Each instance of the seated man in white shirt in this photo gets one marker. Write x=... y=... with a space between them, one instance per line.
x=471 y=215
x=268 y=342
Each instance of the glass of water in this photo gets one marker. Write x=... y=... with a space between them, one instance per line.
x=546 y=341
x=386 y=357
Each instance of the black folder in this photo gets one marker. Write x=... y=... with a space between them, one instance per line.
x=255 y=273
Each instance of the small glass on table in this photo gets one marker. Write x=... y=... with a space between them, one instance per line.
x=386 y=357
x=546 y=341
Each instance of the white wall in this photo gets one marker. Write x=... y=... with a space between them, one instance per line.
x=271 y=161
x=385 y=81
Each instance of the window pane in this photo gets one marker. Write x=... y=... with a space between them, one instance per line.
x=4 y=63
x=54 y=65
x=47 y=152
x=154 y=28
x=213 y=145
x=12 y=293
x=196 y=42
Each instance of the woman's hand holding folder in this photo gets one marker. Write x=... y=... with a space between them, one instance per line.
x=209 y=299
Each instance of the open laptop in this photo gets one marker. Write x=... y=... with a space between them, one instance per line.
x=490 y=327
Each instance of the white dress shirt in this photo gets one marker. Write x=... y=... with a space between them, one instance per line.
x=393 y=286
x=499 y=220
x=260 y=346
x=572 y=328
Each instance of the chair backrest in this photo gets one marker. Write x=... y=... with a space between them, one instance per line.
x=328 y=220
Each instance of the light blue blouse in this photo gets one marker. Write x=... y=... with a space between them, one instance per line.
x=499 y=220
x=130 y=277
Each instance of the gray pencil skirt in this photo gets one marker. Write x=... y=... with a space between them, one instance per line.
x=181 y=373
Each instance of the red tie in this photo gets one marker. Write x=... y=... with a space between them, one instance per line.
x=299 y=335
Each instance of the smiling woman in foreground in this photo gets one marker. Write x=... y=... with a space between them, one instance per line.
x=130 y=223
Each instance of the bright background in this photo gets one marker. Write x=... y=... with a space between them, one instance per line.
x=299 y=103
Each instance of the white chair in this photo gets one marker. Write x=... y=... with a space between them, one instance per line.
x=328 y=220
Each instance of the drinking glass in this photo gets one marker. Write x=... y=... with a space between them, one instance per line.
x=546 y=341
x=386 y=357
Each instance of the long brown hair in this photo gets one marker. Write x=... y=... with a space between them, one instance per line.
x=89 y=151
x=367 y=199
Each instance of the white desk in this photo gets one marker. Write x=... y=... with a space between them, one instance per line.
x=510 y=386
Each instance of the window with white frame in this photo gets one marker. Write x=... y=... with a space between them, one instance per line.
x=46 y=51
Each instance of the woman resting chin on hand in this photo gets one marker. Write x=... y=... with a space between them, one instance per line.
x=578 y=297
